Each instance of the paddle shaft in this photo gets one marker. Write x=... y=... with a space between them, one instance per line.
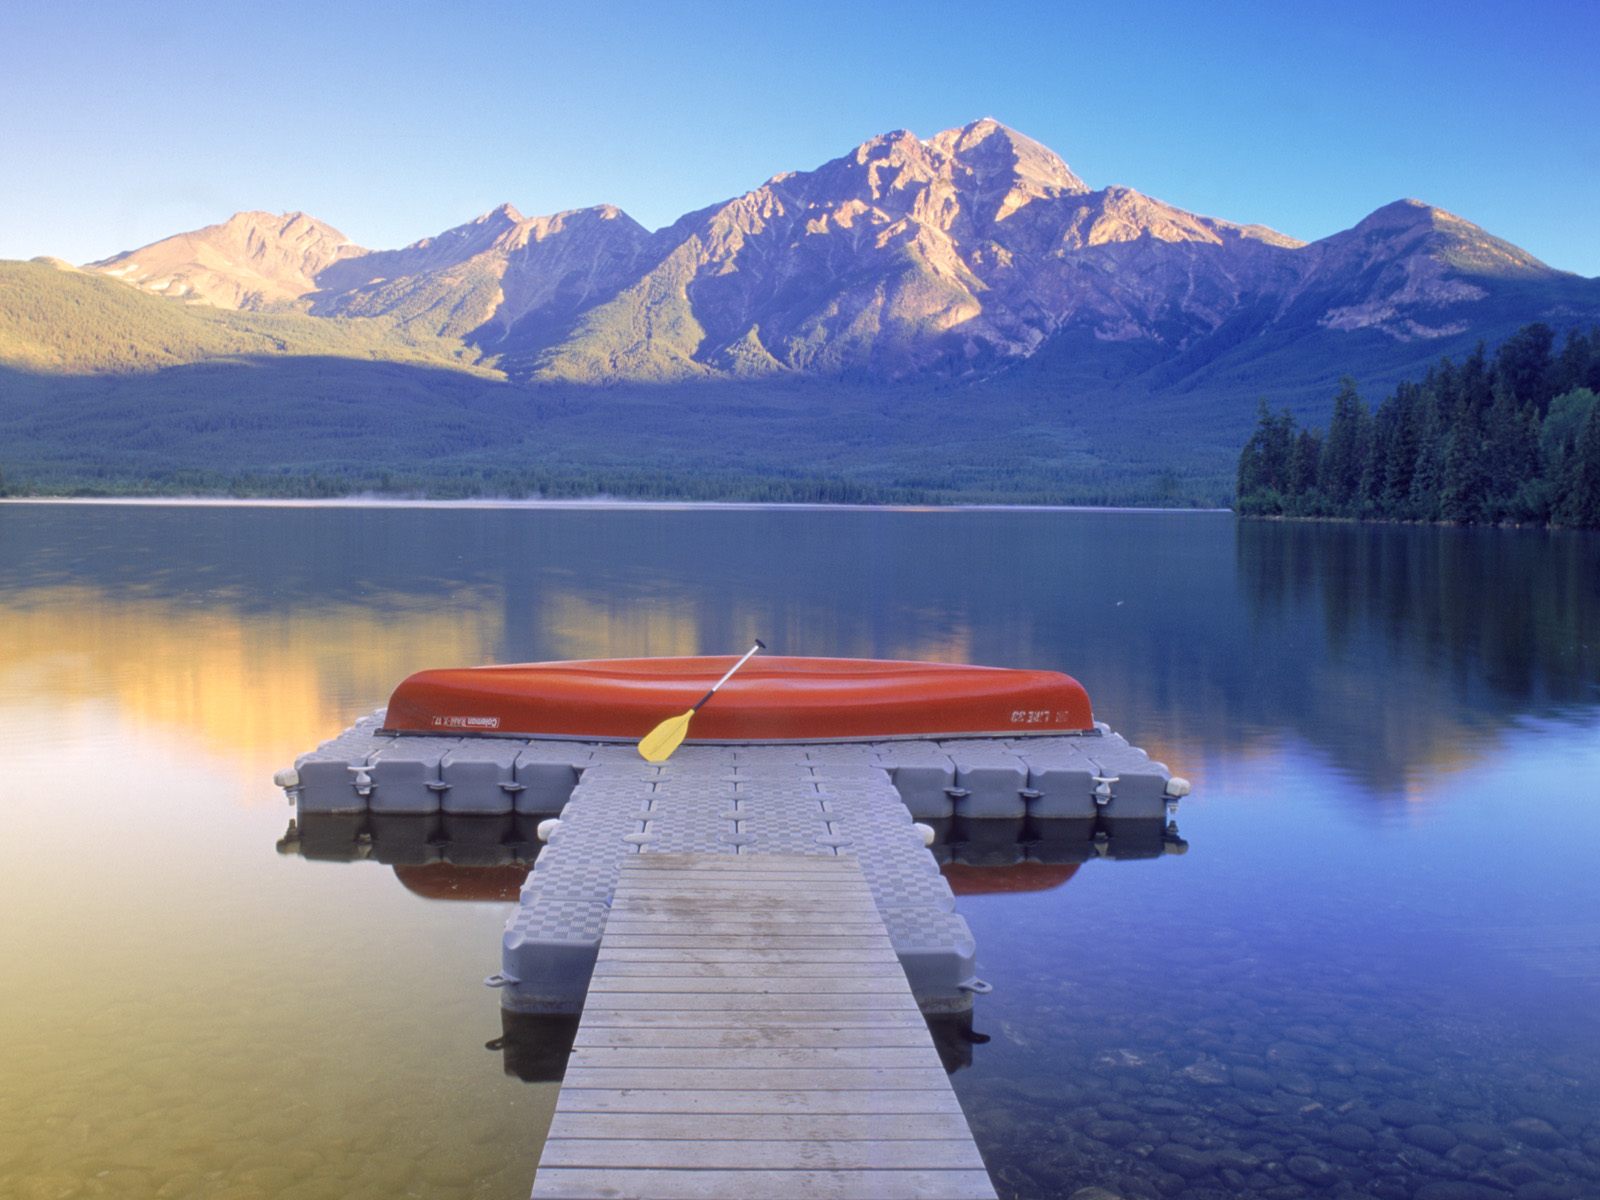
x=760 y=645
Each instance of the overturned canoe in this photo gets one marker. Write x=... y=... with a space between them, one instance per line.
x=772 y=699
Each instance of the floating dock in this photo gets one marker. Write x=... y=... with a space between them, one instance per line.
x=749 y=1032
x=759 y=938
x=859 y=799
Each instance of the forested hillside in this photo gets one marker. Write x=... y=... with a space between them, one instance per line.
x=1510 y=438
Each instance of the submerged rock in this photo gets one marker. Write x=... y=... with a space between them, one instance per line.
x=1308 y=1168
x=1536 y=1131
x=1452 y=1189
x=1436 y=1138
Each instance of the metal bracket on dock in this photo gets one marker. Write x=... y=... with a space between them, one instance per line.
x=977 y=987
x=500 y=979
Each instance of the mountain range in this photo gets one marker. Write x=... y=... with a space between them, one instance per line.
x=972 y=271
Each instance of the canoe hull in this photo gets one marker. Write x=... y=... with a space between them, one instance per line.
x=771 y=699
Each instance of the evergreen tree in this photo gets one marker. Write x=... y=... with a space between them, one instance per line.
x=1558 y=433
x=1427 y=481
x=1400 y=449
x=1304 y=464
x=1344 y=453
x=1475 y=385
x=1571 y=368
x=1523 y=365
x=1464 y=490
x=1251 y=477
x=1580 y=506
x=1264 y=462
x=1511 y=451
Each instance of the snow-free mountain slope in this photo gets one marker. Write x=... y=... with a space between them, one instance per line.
x=956 y=257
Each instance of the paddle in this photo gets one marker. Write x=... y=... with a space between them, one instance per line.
x=658 y=745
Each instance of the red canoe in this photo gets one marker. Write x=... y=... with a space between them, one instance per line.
x=771 y=699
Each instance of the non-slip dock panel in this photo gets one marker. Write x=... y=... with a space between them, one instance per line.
x=549 y=950
x=800 y=1076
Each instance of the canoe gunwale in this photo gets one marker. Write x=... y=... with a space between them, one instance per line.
x=619 y=740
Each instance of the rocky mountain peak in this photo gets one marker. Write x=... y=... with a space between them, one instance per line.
x=987 y=148
x=251 y=260
x=1412 y=226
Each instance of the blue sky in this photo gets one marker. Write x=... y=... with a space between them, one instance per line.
x=127 y=122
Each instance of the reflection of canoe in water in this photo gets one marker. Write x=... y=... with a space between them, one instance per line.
x=771 y=699
x=487 y=858
x=1026 y=876
x=447 y=881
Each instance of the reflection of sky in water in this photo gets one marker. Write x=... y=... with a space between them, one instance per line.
x=1394 y=736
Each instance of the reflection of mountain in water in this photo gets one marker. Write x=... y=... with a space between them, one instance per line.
x=256 y=687
x=1194 y=634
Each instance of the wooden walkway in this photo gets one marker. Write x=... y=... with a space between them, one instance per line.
x=749 y=1033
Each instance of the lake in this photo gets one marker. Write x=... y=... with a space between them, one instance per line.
x=1375 y=972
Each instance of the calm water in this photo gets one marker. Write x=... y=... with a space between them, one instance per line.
x=1376 y=971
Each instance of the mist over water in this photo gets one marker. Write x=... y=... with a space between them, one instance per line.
x=1373 y=973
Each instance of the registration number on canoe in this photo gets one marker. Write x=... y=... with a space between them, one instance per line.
x=1032 y=716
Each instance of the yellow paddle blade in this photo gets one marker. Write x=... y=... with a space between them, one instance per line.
x=660 y=742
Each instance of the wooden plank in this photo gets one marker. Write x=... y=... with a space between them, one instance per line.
x=756 y=1057
x=820 y=1018
x=754 y=1002
x=694 y=940
x=717 y=1154
x=771 y=935
x=814 y=985
x=862 y=1104
x=608 y=968
x=649 y=912
x=670 y=954
x=832 y=1127
x=666 y=1037
x=580 y=1183
x=871 y=1079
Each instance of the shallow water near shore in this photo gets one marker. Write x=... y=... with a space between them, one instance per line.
x=1374 y=972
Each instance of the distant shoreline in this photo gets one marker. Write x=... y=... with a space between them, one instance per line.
x=594 y=504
